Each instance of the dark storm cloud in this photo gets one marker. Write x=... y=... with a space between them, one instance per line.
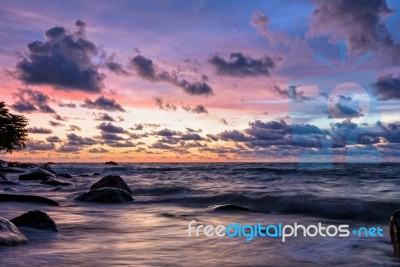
x=40 y=146
x=389 y=87
x=146 y=69
x=29 y=101
x=63 y=60
x=361 y=23
x=110 y=128
x=103 y=103
x=240 y=65
x=36 y=130
x=98 y=150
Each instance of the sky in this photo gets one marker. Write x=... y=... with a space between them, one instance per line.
x=200 y=81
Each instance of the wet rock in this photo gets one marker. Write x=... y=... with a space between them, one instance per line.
x=37 y=174
x=9 y=234
x=231 y=207
x=111 y=163
x=35 y=219
x=48 y=168
x=27 y=198
x=95 y=174
x=3 y=176
x=53 y=181
x=84 y=175
x=113 y=181
x=64 y=175
x=8 y=182
x=106 y=195
x=395 y=232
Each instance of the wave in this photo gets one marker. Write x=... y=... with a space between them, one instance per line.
x=161 y=190
x=332 y=208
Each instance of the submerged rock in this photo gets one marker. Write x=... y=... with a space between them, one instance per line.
x=9 y=234
x=111 y=163
x=395 y=232
x=35 y=219
x=48 y=168
x=106 y=195
x=113 y=181
x=27 y=198
x=3 y=176
x=37 y=174
x=53 y=181
x=231 y=207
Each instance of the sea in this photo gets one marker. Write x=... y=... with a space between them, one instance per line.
x=153 y=230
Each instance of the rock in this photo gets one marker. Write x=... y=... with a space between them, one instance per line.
x=113 y=181
x=3 y=176
x=111 y=163
x=53 y=181
x=48 y=168
x=230 y=207
x=27 y=198
x=8 y=182
x=64 y=175
x=37 y=174
x=94 y=174
x=35 y=219
x=9 y=234
x=83 y=175
x=394 y=223
x=106 y=195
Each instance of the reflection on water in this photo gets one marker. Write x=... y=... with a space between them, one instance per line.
x=152 y=231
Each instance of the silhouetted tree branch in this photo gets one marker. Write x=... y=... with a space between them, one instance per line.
x=13 y=132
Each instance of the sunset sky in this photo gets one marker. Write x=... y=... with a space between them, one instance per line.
x=203 y=80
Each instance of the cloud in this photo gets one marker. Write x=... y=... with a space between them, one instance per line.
x=73 y=128
x=55 y=124
x=146 y=69
x=40 y=145
x=40 y=130
x=98 y=150
x=103 y=103
x=75 y=140
x=111 y=137
x=29 y=101
x=103 y=117
x=160 y=104
x=53 y=139
x=68 y=149
x=63 y=60
x=389 y=87
x=115 y=67
x=66 y=105
x=198 y=109
x=110 y=128
x=59 y=118
x=292 y=93
x=360 y=23
x=240 y=65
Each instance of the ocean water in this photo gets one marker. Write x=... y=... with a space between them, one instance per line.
x=153 y=230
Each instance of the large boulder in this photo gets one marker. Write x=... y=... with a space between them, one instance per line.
x=35 y=219
x=395 y=232
x=37 y=174
x=9 y=234
x=48 y=168
x=114 y=181
x=28 y=198
x=111 y=163
x=53 y=181
x=3 y=176
x=106 y=195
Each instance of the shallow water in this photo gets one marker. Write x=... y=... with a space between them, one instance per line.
x=153 y=230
